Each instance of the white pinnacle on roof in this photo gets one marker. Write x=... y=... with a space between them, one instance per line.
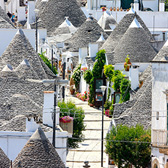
x=135 y=24
x=131 y=11
x=7 y=68
x=101 y=38
x=68 y=24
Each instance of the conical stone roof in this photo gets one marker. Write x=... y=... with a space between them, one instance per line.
x=4 y=24
x=38 y=153
x=5 y=17
x=65 y=28
x=106 y=21
x=55 y=11
x=89 y=31
x=26 y=71
x=119 y=31
x=4 y=160
x=20 y=49
x=162 y=54
x=134 y=43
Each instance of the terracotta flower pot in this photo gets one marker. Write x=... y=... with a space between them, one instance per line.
x=127 y=65
x=111 y=8
x=91 y=105
x=118 y=9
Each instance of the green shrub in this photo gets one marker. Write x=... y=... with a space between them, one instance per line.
x=125 y=88
x=117 y=82
x=77 y=113
x=129 y=145
x=48 y=63
x=88 y=76
x=77 y=76
x=107 y=105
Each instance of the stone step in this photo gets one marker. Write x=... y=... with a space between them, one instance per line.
x=92 y=134
x=74 y=156
x=96 y=125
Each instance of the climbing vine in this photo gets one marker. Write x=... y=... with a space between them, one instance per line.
x=120 y=84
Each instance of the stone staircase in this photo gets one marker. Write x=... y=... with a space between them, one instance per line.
x=90 y=148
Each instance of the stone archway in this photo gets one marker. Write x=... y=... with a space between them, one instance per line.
x=155 y=164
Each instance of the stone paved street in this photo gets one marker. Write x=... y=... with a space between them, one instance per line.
x=90 y=149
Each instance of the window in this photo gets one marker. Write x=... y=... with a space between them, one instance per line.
x=157 y=115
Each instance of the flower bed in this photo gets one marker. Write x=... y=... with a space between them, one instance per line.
x=83 y=97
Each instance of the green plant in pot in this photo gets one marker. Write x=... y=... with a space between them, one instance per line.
x=107 y=107
x=127 y=63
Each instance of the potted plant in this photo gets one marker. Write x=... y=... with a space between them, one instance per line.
x=127 y=63
x=66 y=123
x=72 y=90
x=107 y=107
x=118 y=9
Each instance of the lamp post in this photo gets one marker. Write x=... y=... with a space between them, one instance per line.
x=36 y=13
x=55 y=82
x=103 y=89
x=63 y=77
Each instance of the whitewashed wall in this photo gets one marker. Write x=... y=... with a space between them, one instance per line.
x=159 y=102
x=91 y=4
x=151 y=19
x=158 y=156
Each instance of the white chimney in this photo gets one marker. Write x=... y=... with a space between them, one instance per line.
x=134 y=77
x=82 y=54
x=21 y=14
x=136 y=6
x=30 y=13
x=31 y=125
x=161 y=6
x=48 y=109
x=93 y=49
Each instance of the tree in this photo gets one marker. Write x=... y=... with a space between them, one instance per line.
x=129 y=145
x=47 y=62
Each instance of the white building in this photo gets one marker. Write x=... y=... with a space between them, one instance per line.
x=160 y=109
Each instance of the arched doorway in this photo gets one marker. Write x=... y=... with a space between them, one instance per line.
x=126 y=4
x=155 y=164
